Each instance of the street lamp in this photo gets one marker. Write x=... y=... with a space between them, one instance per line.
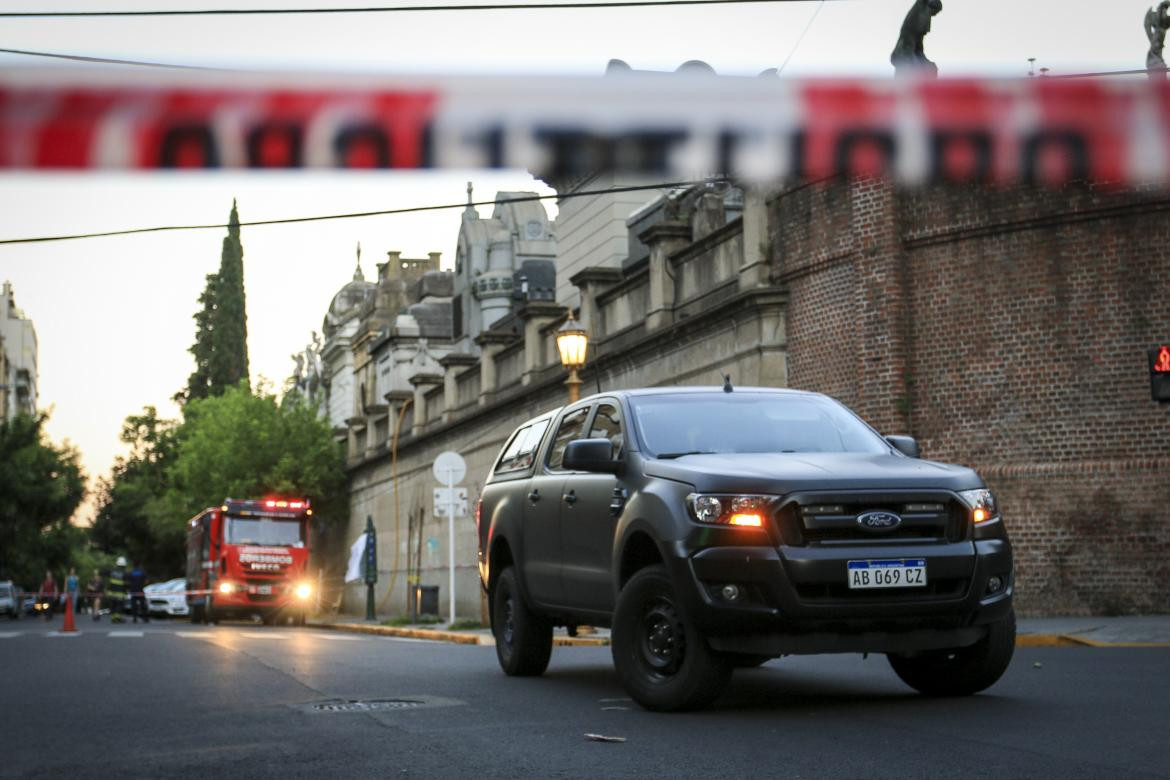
x=572 y=341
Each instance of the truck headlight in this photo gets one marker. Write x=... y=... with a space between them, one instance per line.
x=226 y=587
x=717 y=509
x=303 y=590
x=982 y=503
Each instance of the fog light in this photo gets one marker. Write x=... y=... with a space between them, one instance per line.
x=730 y=592
x=225 y=587
x=995 y=585
x=304 y=590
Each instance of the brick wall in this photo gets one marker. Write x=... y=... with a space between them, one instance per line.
x=1006 y=330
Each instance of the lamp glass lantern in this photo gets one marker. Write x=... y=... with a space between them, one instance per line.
x=572 y=343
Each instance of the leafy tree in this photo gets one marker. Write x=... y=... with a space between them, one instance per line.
x=41 y=485
x=221 y=324
x=122 y=523
x=245 y=445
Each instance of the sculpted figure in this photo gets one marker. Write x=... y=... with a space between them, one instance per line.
x=1157 y=23
x=908 y=56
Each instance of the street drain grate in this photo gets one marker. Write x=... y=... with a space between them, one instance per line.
x=356 y=705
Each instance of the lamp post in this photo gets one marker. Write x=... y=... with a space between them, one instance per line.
x=572 y=341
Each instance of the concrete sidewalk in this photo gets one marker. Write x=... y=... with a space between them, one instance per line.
x=1140 y=631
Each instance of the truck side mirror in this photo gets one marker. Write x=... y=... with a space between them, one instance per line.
x=905 y=445
x=590 y=455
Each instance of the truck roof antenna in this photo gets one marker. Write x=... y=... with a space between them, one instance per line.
x=727 y=388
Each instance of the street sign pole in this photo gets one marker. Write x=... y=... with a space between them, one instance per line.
x=451 y=542
x=371 y=567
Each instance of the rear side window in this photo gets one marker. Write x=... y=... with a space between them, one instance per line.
x=570 y=429
x=520 y=451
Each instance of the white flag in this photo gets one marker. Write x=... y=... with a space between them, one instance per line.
x=357 y=551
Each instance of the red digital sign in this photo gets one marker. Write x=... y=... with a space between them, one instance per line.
x=1162 y=360
x=1160 y=373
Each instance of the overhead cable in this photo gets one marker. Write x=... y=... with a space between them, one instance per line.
x=577 y=4
x=102 y=60
x=353 y=215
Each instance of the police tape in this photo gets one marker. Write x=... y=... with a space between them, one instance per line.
x=759 y=130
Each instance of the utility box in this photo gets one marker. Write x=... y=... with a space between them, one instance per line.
x=426 y=599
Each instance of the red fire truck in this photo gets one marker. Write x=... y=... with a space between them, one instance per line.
x=249 y=557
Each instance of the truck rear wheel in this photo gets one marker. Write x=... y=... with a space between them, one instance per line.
x=960 y=671
x=523 y=638
x=664 y=663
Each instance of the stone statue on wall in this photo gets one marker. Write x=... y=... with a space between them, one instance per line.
x=1157 y=23
x=908 y=57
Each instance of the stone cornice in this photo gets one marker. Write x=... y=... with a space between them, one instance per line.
x=594 y=273
x=457 y=359
x=425 y=379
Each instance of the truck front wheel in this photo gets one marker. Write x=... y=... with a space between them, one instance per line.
x=523 y=638
x=960 y=671
x=663 y=662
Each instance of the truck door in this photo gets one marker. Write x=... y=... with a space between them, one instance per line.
x=542 y=503
x=587 y=525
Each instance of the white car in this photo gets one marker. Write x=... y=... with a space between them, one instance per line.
x=167 y=598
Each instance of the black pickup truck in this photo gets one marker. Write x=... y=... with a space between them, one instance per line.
x=712 y=528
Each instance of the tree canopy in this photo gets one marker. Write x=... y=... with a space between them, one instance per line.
x=41 y=485
x=238 y=445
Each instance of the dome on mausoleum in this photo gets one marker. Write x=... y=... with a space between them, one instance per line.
x=349 y=300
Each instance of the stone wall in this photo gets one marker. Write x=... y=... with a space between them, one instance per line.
x=1005 y=330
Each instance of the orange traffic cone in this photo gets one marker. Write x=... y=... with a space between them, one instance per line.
x=68 y=626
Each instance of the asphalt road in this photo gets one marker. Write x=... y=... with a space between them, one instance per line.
x=175 y=700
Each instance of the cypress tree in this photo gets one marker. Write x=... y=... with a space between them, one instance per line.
x=221 y=325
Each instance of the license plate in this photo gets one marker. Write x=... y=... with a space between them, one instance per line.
x=904 y=573
x=264 y=590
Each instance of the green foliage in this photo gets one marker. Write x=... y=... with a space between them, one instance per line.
x=242 y=445
x=126 y=500
x=41 y=486
x=221 y=324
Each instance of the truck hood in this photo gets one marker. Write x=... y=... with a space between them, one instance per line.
x=780 y=473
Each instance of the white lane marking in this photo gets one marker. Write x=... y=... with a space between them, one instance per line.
x=64 y=633
x=263 y=635
x=339 y=637
x=125 y=634
x=195 y=634
x=9 y=634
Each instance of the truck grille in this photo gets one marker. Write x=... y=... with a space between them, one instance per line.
x=948 y=588
x=820 y=519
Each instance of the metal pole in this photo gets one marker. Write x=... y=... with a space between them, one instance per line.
x=451 y=542
x=370 y=576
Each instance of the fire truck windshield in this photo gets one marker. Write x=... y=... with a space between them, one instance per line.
x=286 y=533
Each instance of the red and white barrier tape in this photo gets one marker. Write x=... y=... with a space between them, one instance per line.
x=678 y=125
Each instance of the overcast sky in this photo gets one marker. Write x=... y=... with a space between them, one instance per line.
x=113 y=315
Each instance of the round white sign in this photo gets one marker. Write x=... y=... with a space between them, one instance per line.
x=450 y=467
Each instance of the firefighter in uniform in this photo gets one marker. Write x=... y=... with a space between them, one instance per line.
x=116 y=590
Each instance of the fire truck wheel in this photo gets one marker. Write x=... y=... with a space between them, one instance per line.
x=197 y=613
x=267 y=618
x=300 y=618
x=209 y=613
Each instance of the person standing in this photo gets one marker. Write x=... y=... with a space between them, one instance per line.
x=116 y=590
x=136 y=582
x=73 y=588
x=48 y=594
x=94 y=590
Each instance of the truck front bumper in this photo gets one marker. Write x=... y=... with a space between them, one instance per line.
x=797 y=599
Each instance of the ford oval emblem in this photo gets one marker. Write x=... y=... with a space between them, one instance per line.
x=878 y=521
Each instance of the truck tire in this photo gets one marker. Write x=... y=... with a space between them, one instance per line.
x=663 y=662
x=961 y=671
x=196 y=613
x=209 y=616
x=523 y=638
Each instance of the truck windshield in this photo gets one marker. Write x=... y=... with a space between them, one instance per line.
x=681 y=424
x=285 y=533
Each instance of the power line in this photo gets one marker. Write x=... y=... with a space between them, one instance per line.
x=800 y=40
x=102 y=60
x=578 y=4
x=351 y=215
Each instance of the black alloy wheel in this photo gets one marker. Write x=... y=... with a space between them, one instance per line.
x=960 y=671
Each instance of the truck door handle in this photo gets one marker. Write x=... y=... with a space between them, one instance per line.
x=570 y=497
x=534 y=496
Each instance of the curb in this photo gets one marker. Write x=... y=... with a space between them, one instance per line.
x=487 y=640
x=1069 y=640
x=455 y=637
